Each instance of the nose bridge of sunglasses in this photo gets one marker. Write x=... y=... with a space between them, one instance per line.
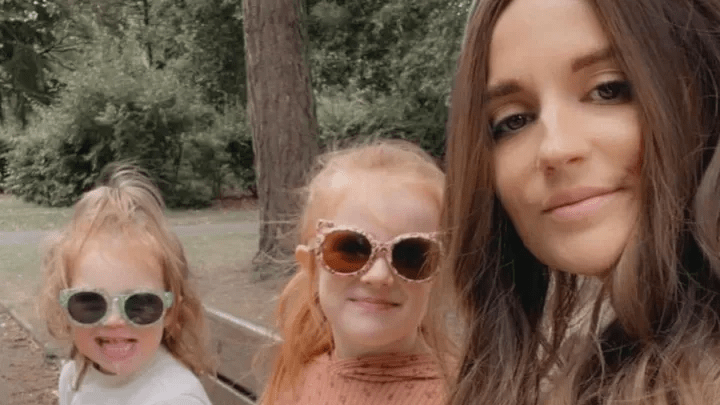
x=384 y=250
x=114 y=311
x=382 y=255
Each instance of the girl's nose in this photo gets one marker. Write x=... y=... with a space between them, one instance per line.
x=114 y=317
x=379 y=272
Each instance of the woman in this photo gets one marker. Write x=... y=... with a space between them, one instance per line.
x=582 y=143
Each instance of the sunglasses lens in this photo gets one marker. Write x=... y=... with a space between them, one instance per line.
x=346 y=251
x=416 y=258
x=87 y=307
x=144 y=308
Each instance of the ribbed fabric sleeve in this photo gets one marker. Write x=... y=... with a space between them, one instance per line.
x=392 y=379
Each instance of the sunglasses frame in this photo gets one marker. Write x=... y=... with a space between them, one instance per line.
x=118 y=301
x=325 y=227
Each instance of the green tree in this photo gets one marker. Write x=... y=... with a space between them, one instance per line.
x=33 y=38
x=393 y=60
x=204 y=41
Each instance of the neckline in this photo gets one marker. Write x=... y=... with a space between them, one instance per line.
x=389 y=367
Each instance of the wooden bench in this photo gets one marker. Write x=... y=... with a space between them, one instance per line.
x=235 y=342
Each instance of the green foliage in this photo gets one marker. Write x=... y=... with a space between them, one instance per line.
x=27 y=40
x=38 y=39
x=223 y=154
x=203 y=41
x=113 y=109
x=346 y=119
x=162 y=83
x=393 y=60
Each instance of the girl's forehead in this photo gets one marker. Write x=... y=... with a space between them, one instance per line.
x=388 y=206
x=117 y=259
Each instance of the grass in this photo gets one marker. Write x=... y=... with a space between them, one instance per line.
x=218 y=250
x=18 y=215
x=209 y=216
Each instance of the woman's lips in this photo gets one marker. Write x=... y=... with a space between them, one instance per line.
x=581 y=208
x=570 y=196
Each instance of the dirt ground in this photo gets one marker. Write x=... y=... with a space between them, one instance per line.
x=25 y=377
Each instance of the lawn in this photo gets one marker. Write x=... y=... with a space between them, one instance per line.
x=17 y=215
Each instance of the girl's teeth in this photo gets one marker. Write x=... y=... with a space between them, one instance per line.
x=117 y=349
x=104 y=341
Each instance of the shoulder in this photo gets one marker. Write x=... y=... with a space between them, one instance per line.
x=67 y=372
x=175 y=384
x=183 y=400
x=67 y=376
x=312 y=382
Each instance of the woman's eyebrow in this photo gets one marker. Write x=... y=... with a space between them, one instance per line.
x=592 y=58
x=507 y=88
x=502 y=89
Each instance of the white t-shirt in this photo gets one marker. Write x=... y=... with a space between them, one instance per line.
x=165 y=381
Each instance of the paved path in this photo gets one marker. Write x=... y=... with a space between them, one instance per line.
x=34 y=237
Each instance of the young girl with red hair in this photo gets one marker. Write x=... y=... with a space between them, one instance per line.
x=360 y=321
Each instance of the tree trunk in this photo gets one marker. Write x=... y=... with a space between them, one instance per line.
x=282 y=118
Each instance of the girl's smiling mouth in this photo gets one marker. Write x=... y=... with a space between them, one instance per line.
x=117 y=349
x=374 y=304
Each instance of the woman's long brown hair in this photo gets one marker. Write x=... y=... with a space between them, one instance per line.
x=664 y=292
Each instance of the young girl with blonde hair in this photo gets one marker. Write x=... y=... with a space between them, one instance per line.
x=360 y=320
x=116 y=286
x=583 y=142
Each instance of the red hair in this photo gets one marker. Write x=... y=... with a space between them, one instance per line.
x=305 y=331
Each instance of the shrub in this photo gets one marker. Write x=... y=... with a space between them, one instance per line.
x=223 y=154
x=353 y=116
x=112 y=109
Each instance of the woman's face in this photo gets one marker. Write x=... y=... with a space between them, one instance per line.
x=567 y=132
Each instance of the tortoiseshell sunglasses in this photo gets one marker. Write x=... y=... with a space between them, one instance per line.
x=348 y=251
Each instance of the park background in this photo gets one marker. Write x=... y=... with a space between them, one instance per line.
x=225 y=103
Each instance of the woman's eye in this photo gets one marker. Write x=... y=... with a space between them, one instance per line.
x=512 y=123
x=615 y=91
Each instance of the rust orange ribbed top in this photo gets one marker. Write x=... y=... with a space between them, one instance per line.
x=389 y=379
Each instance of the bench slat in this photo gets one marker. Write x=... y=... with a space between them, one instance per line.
x=222 y=394
x=235 y=343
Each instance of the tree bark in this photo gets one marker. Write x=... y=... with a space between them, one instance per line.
x=282 y=117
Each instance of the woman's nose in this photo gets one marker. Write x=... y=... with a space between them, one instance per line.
x=564 y=139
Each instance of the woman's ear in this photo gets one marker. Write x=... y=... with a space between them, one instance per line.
x=304 y=257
